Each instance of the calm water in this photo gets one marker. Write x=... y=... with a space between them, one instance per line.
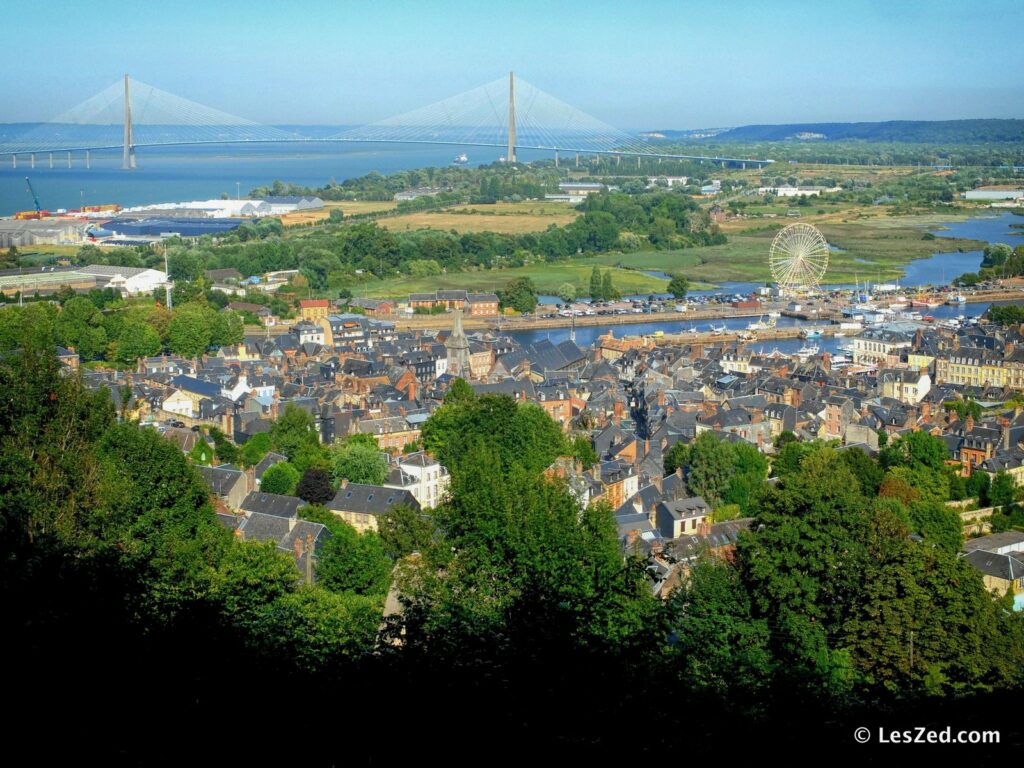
x=171 y=174
x=587 y=335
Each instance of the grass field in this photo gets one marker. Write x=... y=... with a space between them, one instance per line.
x=347 y=208
x=874 y=247
x=547 y=278
x=505 y=218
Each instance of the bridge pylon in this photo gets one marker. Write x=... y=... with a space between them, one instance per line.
x=511 y=117
x=128 y=152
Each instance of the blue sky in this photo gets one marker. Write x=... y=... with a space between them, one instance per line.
x=681 y=64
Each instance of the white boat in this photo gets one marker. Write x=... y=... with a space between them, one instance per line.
x=839 y=334
x=761 y=324
x=956 y=299
x=774 y=315
x=808 y=350
x=460 y=159
x=718 y=329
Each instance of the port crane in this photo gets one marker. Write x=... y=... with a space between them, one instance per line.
x=35 y=197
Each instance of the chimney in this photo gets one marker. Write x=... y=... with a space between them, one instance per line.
x=618 y=409
x=647 y=446
x=344 y=482
x=631 y=537
x=250 y=479
x=679 y=471
x=661 y=398
x=297 y=546
x=926 y=409
x=410 y=390
x=952 y=417
x=595 y=471
x=969 y=423
x=652 y=515
x=657 y=480
x=826 y=361
x=1006 y=439
x=578 y=467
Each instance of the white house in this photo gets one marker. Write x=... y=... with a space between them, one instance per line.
x=240 y=387
x=179 y=403
x=133 y=281
x=904 y=384
x=419 y=474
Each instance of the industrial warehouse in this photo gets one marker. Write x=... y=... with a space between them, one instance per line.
x=130 y=281
x=140 y=225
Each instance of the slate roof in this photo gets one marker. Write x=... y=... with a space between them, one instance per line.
x=198 y=386
x=370 y=499
x=1009 y=566
x=220 y=479
x=272 y=504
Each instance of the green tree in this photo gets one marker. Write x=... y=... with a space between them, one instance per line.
x=938 y=524
x=519 y=294
x=521 y=434
x=676 y=456
x=979 y=486
x=227 y=452
x=583 y=451
x=596 y=286
x=255 y=448
x=1002 y=490
x=293 y=430
x=711 y=467
x=313 y=627
x=723 y=648
x=784 y=437
x=678 y=286
x=228 y=328
x=405 y=530
x=281 y=478
x=250 y=578
x=202 y=453
x=608 y=291
x=137 y=340
x=567 y=292
x=915 y=450
x=350 y=561
x=358 y=463
x=459 y=392
x=79 y=325
x=867 y=471
x=191 y=330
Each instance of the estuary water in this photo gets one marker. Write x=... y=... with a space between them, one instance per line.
x=200 y=172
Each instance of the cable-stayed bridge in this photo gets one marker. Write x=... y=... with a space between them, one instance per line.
x=508 y=112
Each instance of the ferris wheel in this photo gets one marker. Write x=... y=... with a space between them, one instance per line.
x=798 y=258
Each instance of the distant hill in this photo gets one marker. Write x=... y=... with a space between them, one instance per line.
x=910 y=131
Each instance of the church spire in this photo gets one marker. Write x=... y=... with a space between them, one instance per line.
x=457 y=346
